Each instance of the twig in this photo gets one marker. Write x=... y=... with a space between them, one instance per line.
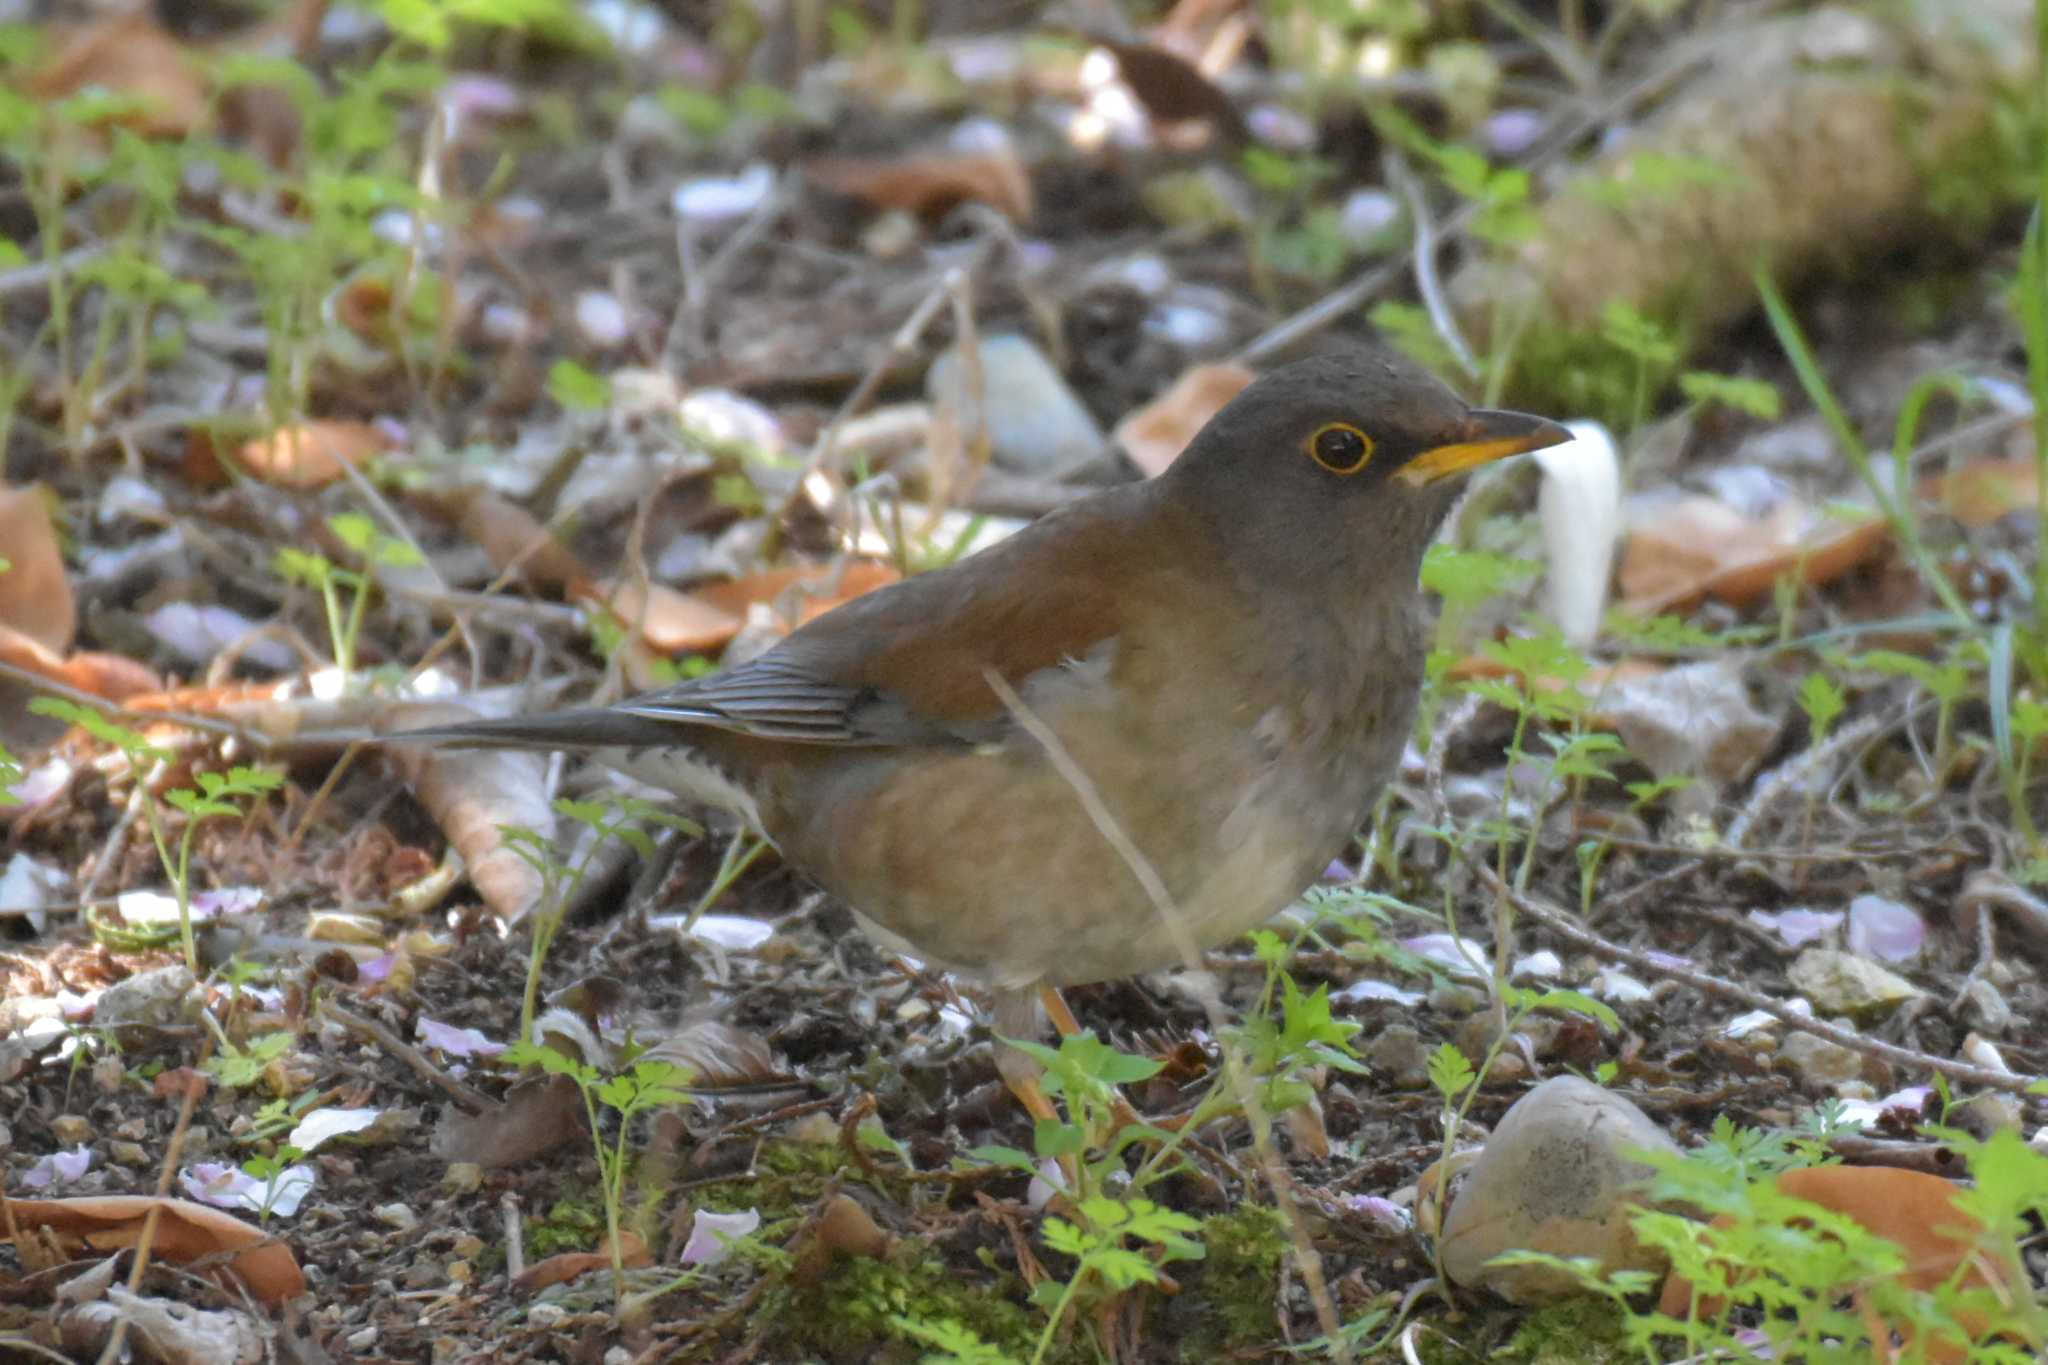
x=473 y=1101
x=902 y=346
x=685 y=334
x=1169 y=914
x=165 y=1173
x=1427 y=283
x=1672 y=968
x=1348 y=298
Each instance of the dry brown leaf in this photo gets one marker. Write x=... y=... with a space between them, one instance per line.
x=1984 y=491
x=842 y=1228
x=1172 y=89
x=185 y=1232
x=671 y=620
x=313 y=453
x=1916 y=1211
x=719 y=1054
x=570 y=1265
x=472 y=794
x=516 y=541
x=1156 y=434
x=931 y=184
x=706 y=619
x=818 y=588
x=1700 y=547
x=1596 y=679
x=103 y=675
x=538 y=1115
x=35 y=592
x=132 y=55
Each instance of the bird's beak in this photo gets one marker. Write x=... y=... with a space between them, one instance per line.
x=1486 y=435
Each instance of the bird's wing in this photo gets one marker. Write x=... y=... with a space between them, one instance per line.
x=909 y=663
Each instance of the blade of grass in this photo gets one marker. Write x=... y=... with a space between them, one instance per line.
x=1895 y=504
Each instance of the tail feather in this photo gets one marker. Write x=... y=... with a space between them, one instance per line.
x=594 y=728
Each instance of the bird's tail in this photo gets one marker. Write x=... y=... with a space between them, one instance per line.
x=592 y=728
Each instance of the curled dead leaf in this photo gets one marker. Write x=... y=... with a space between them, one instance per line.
x=931 y=184
x=1984 y=491
x=1701 y=547
x=472 y=795
x=35 y=592
x=719 y=1054
x=1155 y=434
x=1918 y=1212
x=129 y=55
x=112 y=676
x=517 y=542
x=570 y=1265
x=185 y=1232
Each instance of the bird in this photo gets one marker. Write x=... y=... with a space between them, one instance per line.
x=1229 y=653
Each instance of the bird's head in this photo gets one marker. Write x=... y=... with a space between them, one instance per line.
x=1352 y=458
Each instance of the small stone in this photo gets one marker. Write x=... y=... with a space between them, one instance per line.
x=129 y=1154
x=1036 y=425
x=396 y=1216
x=463 y=1177
x=362 y=1339
x=1398 y=1055
x=70 y=1130
x=107 y=1074
x=1985 y=1008
x=1696 y=721
x=1555 y=1177
x=1818 y=1063
x=1842 y=983
x=163 y=998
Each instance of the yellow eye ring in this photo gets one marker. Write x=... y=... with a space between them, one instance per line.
x=1340 y=448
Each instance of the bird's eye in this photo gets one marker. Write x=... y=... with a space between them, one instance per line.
x=1340 y=447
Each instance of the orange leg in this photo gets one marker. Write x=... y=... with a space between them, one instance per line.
x=1056 y=1010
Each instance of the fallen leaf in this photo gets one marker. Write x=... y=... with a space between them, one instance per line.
x=1155 y=434
x=516 y=542
x=1920 y=1214
x=128 y=55
x=35 y=592
x=312 y=454
x=103 y=675
x=671 y=620
x=1984 y=491
x=812 y=590
x=931 y=184
x=473 y=795
x=185 y=1232
x=570 y=1265
x=538 y=1115
x=1172 y=89
x=1700 y=547
x=719 y=1054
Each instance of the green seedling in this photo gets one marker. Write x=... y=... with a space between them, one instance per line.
x=233 y=793
x=331 y=581
x=644 y=1084
x=615 y=817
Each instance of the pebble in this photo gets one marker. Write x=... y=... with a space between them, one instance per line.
x=1036 y=426
x=1819 y=1063
x=1556 y=1176
x=1842 y=983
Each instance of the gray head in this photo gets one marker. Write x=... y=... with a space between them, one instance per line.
x=1344 y=461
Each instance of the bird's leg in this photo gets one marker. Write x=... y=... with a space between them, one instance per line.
x=1016 y=1016
x=1056 y=1010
